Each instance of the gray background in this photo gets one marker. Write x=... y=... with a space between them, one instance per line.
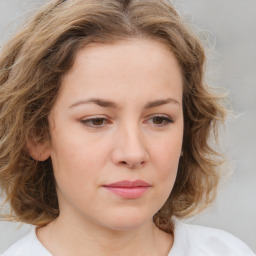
x=230 y=28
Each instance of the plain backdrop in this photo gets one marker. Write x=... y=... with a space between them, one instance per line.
x=228 y=27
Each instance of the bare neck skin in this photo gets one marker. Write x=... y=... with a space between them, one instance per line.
x=66 y=238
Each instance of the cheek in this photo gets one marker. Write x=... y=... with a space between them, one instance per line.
x=75 y=147
x=167 y=152
x=75 y=171
x=75 y=159
x=166 y=161
x=165 y=157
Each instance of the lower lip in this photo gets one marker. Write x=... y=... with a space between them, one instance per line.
x=129 y=193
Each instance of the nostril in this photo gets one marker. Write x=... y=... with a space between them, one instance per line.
x=132 y=165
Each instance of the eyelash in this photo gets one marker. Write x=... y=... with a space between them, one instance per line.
x=86 y=122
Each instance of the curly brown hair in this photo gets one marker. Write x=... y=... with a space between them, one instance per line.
x=31 y=67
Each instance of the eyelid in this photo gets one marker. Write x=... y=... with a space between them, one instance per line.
x=160 y=115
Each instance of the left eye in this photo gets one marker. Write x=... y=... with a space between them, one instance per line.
x=161 y=120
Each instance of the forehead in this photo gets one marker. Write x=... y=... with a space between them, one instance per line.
x=125 y=57
x=127 y=68
x=132 y=49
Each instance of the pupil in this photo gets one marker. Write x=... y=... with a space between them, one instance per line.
x=158 y=120
x=97 y=121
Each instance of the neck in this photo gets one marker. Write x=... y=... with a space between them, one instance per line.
x=65 y=236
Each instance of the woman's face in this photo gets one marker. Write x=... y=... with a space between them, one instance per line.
x=118 y=119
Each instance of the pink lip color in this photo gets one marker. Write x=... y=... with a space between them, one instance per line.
x=128 y=189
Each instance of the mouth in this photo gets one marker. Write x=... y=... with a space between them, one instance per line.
x=128 y=189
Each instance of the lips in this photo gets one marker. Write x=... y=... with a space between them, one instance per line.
x=128 y=189
x=129 y=184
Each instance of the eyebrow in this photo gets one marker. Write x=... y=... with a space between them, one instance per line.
x=110 y=104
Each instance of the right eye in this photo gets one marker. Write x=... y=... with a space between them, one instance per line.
x=96 y=122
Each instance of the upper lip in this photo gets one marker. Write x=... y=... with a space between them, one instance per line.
x=129 y=184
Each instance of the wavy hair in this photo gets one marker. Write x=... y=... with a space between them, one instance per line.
x=31 y=66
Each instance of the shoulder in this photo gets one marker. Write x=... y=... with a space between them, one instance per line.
x=28 y=245
x=199 y=240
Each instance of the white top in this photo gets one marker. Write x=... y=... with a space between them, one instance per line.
x=189 y=240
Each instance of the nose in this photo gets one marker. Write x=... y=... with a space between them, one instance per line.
x=129 y=148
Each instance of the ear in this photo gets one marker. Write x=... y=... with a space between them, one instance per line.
x=39 y=151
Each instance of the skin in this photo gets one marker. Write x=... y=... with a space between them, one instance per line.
x=129 y=143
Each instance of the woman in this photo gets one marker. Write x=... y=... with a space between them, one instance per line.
x=105 y=132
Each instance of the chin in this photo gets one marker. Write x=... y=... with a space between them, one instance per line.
x=127 y=222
